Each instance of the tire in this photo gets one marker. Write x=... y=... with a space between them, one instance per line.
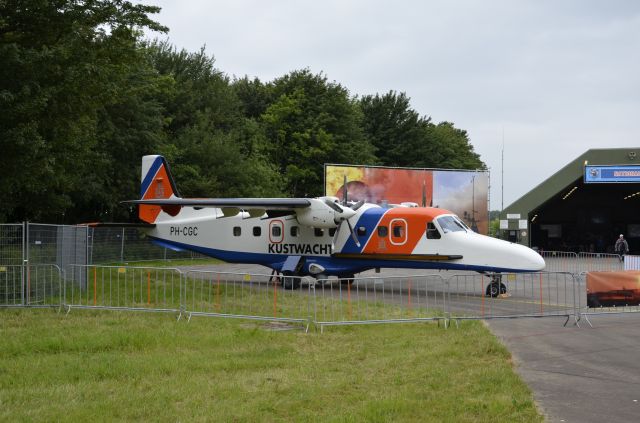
x=289 y=282
x=321 y=279
x=495 y=288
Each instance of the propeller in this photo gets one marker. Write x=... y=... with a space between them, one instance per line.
x=357 y=205
x=343 y=214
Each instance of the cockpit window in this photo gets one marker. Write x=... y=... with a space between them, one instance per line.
x=450 y=224
x=464 y=225
x=432 y=231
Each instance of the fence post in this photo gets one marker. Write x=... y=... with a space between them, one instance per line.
x=122 y=247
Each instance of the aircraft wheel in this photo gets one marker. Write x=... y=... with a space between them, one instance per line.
x=321 y=279
x=495 y=288
x=289 y=282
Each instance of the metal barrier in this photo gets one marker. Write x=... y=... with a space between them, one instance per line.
x=377 y=300
x=247 y=296
x=30 y=285
x=329 y=302
x=124 y=288
x=560 y=261
x=583 y=311
x=631 y=262
x=519 y=295
x=599 y=262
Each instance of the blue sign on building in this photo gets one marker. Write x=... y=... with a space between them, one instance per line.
x=609 y=174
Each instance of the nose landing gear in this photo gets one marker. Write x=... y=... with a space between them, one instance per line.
x=495 y=287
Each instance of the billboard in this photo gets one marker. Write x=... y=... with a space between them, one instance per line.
x=608 y=289
x=611 y=174
x=463 y=192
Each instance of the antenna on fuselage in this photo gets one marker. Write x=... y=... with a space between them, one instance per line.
x=345 y=194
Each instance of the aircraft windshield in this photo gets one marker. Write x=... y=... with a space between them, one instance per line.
x=460 y=221
x=450 y=224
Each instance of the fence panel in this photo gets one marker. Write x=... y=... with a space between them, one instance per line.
x=560 y=261
x=617 y=305
x=250 y=296
x=30 y=285
x=631 y=262
x=521 y=295
x=598 y=262
x=119 y=245
x=11 y=244
x=380 y=300
x=123 y=288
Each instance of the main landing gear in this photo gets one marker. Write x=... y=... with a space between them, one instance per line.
x=495 y=287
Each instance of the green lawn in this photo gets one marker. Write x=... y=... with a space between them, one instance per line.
x=92 y=365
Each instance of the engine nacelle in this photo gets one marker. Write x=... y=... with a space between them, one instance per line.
x=318 y=215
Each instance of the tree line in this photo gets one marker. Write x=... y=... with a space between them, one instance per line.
x=83 y=95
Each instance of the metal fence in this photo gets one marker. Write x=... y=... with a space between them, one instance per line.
x=64 y=245
x=564 y=261
x=325 y=303
x=31 y=286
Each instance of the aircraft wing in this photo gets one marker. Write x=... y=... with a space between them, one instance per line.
x=314 y=212
x=241 y=203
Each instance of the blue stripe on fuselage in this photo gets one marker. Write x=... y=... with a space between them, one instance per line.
x=369 y=220
x=333 y=266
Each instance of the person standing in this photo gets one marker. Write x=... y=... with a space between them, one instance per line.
x=621 y=247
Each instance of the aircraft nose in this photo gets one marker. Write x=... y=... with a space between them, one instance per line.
x=537 y=262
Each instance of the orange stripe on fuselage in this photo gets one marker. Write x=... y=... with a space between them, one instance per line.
x=416 y=218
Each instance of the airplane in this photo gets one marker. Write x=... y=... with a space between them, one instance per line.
x=320 y=237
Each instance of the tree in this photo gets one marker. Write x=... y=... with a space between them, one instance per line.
x=63 y=62
x=214 y=150
x=403 y=138
x=312 y=121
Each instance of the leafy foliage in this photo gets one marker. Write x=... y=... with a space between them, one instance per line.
x=83 y=97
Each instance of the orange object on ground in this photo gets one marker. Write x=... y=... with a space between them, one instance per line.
x=606 y=289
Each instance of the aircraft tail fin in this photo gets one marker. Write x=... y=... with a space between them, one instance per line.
x=156 y=182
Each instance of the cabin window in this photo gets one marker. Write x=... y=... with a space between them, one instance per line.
x=383 y=231
x=237 y=231
x=294 y=231
x=432 y=231
x=332 y=231
x=318 y=232
x=257 y=230
x=362 y=231
x=450 y=224
x=276 y=231
x=399 y=234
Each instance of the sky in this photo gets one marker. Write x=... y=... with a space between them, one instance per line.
x=550 y=79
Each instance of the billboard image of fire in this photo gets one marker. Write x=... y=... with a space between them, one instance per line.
x=463 y=192
x=608 y=289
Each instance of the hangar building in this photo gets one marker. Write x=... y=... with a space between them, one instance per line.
x=583 y=207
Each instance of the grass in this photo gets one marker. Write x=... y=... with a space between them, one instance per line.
x=92 y=365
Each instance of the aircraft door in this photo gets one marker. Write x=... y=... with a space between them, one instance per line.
x=276 y=231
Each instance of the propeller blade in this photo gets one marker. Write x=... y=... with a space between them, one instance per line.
x=424 y=194
x=353 y=233
x=357 y=205
x=334 y=206
x=335 y=236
